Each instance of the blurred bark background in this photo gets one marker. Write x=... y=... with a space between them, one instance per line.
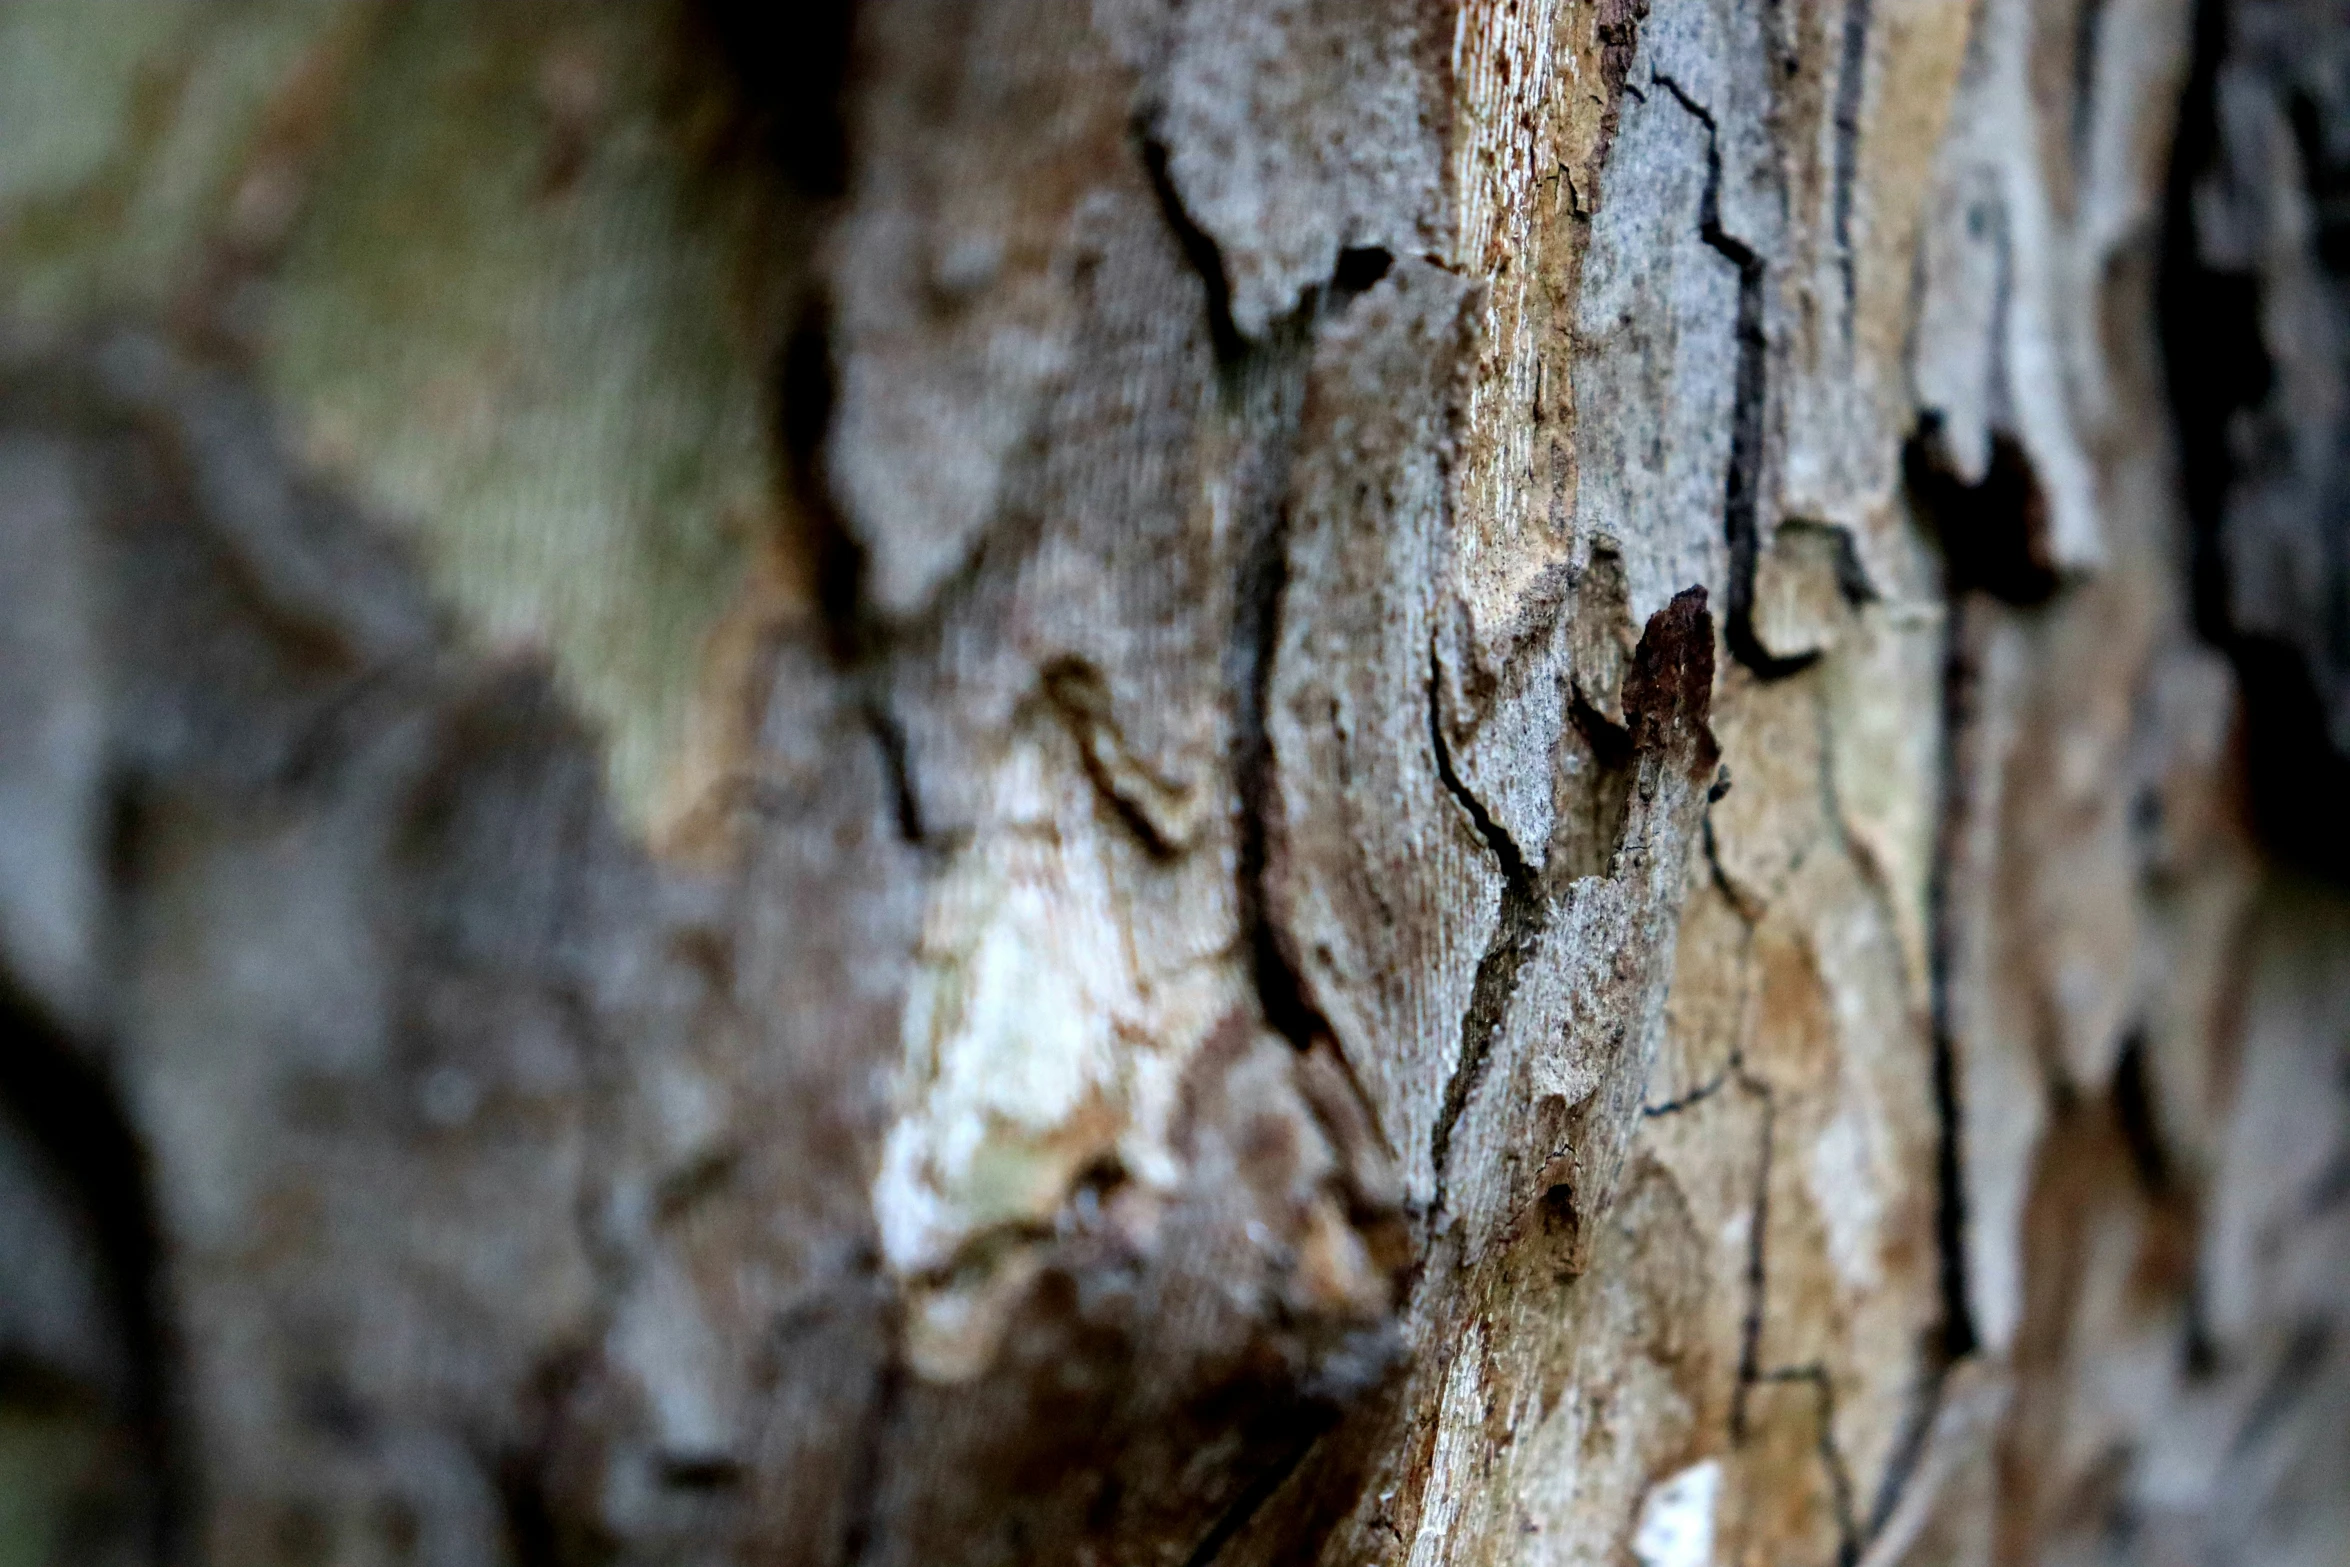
x=1175 y=781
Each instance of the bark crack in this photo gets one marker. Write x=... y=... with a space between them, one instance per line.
x=1277 y=367
x=1278 y=364
x=1815 y=1376
x=1852 y=80
x=889 y=741
x=1199 y=247
x=1696 y=1096
x=1908 y=1453
x=69 y=1107
x=1260 y=1490
x=1750 y=1329
x=1950 y=1210
x=1742 y=483
x=2007 y=495
x=1751 y=1373
x=1282 y=991
x=873 y=1441
x=1523 y=917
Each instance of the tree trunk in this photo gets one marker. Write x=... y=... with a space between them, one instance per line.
x=1175 y=781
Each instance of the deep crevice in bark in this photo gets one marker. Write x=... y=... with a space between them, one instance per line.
x=1283 y=995
x=864 y=1488
x=70 y=1112
x=1199 y=248
x=1909 y=1451
x=1315 y=1423
x=1523 y=916
x=1851 y=86
x=1989 y=542
x=2297 y=780
x=1511 y=860
x=1993 y=533
x=1959 y=1337
x=532 y=1523
x=2134 y=1115
x=1831 y=1456
x=790 y=65
x=889 y=740
x=1750 y=1322
x=782 y=78
x=1992 y=537
x=1282 y=991
x=2218 y=370
x=541 y=1524
x=807 y=384
x=1590 y=827
x=1742 y=484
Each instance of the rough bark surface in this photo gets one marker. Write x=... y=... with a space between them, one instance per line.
x=1244 y=781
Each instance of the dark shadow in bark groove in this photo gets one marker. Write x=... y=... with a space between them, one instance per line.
x=532 y=1536
x=2218 y=370
x=1851 y=86
x=1742 y=484
x=1523 y=916
x=806 y=384
x=67 y=1109
x=1077 y=692
x=1280 y=983
x=789 y=65
x=1831 y=1457
x=1993 y=534
x=1261 y=1488
x=780 y=75
x=881 y=1418
x=2133 y=1114
x=1198 y=246
x=889 y=740
x=1589 y=828
x=1282 y=360
x=1950 y=1210
x=1993 y=540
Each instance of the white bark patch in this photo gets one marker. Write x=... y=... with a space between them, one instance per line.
x=1848 y=1186
x=1041 y=1042
x=1677 y=1518
x=1460 y=1443
x=1011 y=1058
x=664 y=1339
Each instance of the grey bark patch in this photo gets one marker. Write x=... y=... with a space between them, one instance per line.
x=53 y=729
x=1301 y=130
x=1375 y=877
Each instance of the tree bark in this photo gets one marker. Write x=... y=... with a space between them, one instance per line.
x=1242 y=781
